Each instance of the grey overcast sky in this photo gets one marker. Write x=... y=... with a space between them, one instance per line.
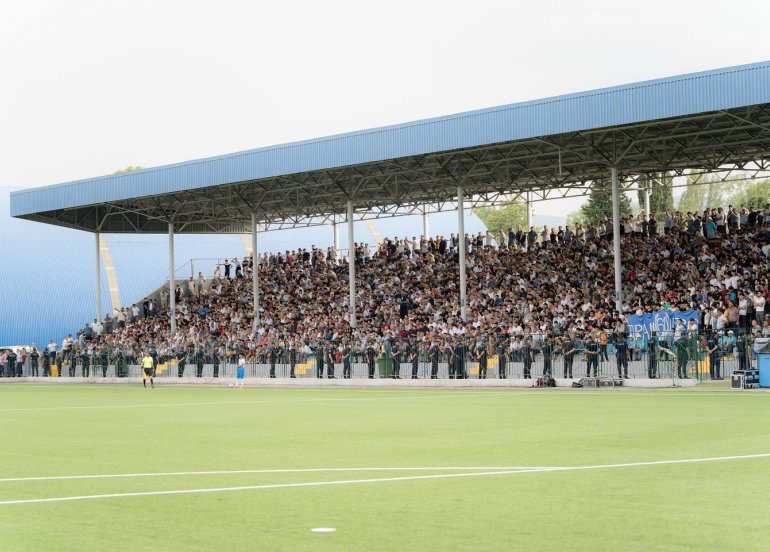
x=89 y=87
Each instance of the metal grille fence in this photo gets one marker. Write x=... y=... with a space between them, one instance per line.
x=701 y=356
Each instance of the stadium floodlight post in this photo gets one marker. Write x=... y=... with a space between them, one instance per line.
x=425 y=225
x=351 y=267
x=529 y=210
x=461 y=248
x=171 y=280
x=97 y=235
x=616 y=239
x=255 y=269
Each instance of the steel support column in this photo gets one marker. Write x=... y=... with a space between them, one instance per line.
x=255 y=270
x=461 y=246
x=425 y=225
x=616 y=239
x=351 y=267
x=171 y=280
x=647 y=194
x=529 y=210
x=336 y=246
x=98 y=277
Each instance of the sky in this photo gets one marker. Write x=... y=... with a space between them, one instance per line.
x=93 y=86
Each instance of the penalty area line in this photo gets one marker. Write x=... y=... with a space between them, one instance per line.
x=378 y=480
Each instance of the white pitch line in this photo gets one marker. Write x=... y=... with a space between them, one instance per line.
x=242 y=472
x=376 y=480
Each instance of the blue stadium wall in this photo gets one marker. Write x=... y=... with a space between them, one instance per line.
x=47 y=285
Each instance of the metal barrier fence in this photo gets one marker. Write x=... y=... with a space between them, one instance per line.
x=700 y=356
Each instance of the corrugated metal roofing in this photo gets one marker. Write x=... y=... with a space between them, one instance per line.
x=678 y=96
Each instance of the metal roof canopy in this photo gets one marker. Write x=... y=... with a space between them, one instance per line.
x=709 y=121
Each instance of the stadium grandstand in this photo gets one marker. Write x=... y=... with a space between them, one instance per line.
x=46 y=260
x=445 y=305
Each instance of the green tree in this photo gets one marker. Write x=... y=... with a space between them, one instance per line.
x=599 y=204
x=661 y=193
x=706 y=191
x=504 y=217
x=576 y=217
x=755 y=195
x=129 y=169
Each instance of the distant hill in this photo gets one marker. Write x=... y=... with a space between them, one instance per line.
x=550 y=220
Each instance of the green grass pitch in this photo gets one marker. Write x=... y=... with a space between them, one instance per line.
x=62 y=430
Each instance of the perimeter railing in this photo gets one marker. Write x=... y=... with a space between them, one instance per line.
x=700 y=356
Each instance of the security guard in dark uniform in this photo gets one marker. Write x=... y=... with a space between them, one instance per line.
x=329 y=362
x=715 y=358
x=621 y=353
x=371 y=359
x=272 y=355
x=502 y=359
x=652 y=357
x=346 y=364
x=460 y=354
x=592 y=356
x=481 y=356
x=570 y=348
x=198 y=360
x=119 y=359
x=415 y=351
x=104 y=360
x=449 y=350
x=34 y=356
x=682 y=356
x=46 y=364
x=85 y=362
x=319 y=361
x=547 y=351
x=74 y=356
x=448 y=353
x=181 y=357
x=434 y=353
x=396 y=353
x=527 y=355
x=292 y=360
x=215 y=360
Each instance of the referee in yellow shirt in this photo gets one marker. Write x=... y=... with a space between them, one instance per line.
x=147 y=370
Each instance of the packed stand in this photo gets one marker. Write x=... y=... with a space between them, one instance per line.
x=533 y=296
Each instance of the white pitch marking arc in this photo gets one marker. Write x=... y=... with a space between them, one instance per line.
x=378 y=480
x=265 y=471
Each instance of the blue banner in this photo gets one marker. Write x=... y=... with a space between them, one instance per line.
x=661 y=322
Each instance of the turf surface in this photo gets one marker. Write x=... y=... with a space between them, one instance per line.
x=74 y=430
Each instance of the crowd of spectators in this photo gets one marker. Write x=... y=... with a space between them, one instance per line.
x=526 y=289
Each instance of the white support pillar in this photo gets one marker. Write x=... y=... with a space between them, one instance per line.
x=351 y=267
x=529 y=210
x=171 y=280
x=98 y=277
x=255 y=269
x=336 y=230
x=425 y=225
x=647 y=194
x=616 y=239
x=461 y=244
